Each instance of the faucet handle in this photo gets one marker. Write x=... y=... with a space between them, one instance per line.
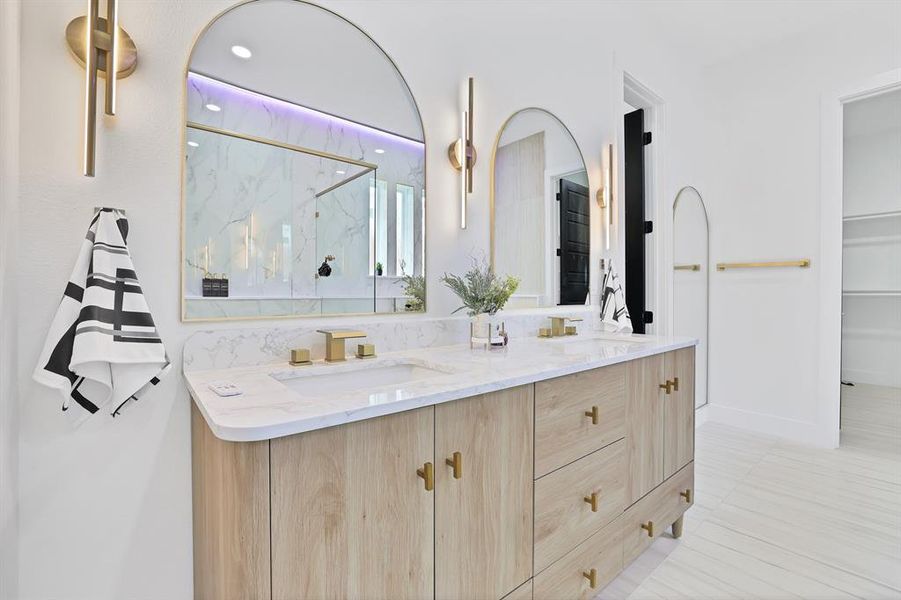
x=342 y=334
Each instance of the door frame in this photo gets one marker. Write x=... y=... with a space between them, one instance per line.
x=629 y=89
x=830 y=261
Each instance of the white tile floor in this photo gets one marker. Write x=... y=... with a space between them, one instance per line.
x=777 y=520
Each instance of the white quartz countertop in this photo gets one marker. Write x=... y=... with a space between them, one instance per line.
x=280 y=400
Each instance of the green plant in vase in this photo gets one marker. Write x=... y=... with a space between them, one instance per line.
x=482 y=292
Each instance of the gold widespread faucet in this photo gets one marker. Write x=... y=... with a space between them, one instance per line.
x=559 y=327
x=335 y=350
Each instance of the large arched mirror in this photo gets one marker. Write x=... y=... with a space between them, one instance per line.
x=304 y=179
x=691 y=279
x=540 y=213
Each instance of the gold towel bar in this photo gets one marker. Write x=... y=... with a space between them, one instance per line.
x=803 y=263
x=686 y=267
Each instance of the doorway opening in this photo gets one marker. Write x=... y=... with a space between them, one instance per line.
x=870 y=396
x=642 y=134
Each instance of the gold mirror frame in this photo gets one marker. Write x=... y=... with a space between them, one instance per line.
x=491 y=185
x=182 y=204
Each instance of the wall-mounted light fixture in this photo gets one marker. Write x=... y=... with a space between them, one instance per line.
x=462 y=155
x=103 y=48
x=605 y=194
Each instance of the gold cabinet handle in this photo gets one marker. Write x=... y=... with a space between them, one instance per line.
x=592 y=577
x=456 y=463
x=675 y=384
x=668 y=386
x=427 y=472
x=649 y=527
x=593 y=501
x=687 y=495
x=595 y=415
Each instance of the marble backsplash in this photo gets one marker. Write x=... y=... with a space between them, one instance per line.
x=230 y=348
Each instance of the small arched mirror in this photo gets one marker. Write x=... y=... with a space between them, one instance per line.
x=691 y=279
x=540 y=212
x=304 y=178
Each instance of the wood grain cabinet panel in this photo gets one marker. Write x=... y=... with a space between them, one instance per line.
x=565 y=511
x=644 y=425
x=350 y=516
x=571 y=577
x=652 y=515
x=563 y=430
x=483 y=517
x=679 y=411
x=231 y=515
x=523 y=592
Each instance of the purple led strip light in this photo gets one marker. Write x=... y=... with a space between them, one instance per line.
x=203 y=81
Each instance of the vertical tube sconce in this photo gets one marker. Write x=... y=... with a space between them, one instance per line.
x=462 y=154
x=105 y=49
x=605 y=194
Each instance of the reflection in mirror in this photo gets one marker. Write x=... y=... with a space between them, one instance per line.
x=540 y=220
x=691 y=279
x=303 y=195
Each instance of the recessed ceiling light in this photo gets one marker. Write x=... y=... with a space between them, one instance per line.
x=241 y=52
x=379 y=151
x=340 y=172
x=213 y=107
x=193 y=144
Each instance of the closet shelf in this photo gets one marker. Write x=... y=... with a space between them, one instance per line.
x=872 y=216
x=874 y=293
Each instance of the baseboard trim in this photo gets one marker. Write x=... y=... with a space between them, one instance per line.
x=871 y=377
x=802 y=432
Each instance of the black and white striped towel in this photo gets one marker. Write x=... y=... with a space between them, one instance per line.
x=614 y=314
x=103 y=348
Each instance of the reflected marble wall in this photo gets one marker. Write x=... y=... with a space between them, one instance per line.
x=250 y=209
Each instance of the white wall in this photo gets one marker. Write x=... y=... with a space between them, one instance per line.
x=763 y=201
x=9 y=413
x=105 y=509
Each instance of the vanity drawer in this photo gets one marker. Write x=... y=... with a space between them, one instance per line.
x=568 y=578
x=566 y=427
x=658 y=510
x=564 y=514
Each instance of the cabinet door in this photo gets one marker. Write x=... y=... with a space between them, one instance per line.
x=679 y=411
x=483 y=515
x=644 y=425
x=350 y=516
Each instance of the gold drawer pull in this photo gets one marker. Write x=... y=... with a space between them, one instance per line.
x=456 y=463
x=668 y=386
x=427 y=472
x=687 y=495
x=593 y=501
x=675 y=384
x=594 y=413
x=649 y=527
x=592 y=577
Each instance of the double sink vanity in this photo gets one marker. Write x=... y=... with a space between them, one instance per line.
x=536 y=471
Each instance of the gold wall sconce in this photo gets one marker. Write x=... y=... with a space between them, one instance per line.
x=462 y=155
x=605 y=194
x=102 y=48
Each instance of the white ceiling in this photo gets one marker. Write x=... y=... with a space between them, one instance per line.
x=711 y=32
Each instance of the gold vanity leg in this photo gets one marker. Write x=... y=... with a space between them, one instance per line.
x=677 y=527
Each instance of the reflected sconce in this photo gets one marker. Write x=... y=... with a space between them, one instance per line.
x=105 y=49
x=462 y=155
x=605 y=194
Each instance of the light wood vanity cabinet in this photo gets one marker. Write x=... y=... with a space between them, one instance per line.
x=483 y=494
x=541 y=491
x=350 y=517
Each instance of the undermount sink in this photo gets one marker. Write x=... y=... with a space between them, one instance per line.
x=323 y=380
x=597 y=342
